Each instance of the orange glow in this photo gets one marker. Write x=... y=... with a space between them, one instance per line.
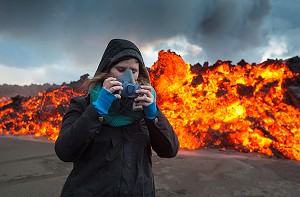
x=237 y=107
x=38 y=116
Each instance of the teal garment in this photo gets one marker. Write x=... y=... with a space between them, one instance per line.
x=120 y=112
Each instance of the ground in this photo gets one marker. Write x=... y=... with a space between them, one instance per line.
x=31 y=168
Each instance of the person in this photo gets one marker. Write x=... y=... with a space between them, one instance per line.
x=110 y=136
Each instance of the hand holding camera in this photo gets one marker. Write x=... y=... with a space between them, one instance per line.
x=145 y=97
x=147 y=101
x=129 y=90
x=125 y=87
x=112 y=85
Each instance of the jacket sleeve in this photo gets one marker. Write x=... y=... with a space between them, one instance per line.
x=79 y=126
x=163 y=138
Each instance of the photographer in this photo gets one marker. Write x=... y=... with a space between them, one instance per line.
x=109 y=133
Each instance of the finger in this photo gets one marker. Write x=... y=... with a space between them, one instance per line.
x=106 y=82
x=115 y=83
x=143 y=99
x=118 y=96
x=144 y=87
x=113 y=89
x=149 y=88
x=145 y=92
x=111 y=81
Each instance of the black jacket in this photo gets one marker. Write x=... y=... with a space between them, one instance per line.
x=111 y=161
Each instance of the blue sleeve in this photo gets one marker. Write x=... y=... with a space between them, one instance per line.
x=150 y=111
x=104 y=101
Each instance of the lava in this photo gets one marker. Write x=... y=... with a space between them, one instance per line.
x=239 y=107
x=233 y=106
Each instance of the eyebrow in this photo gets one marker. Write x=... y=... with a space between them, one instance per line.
x=120 y=66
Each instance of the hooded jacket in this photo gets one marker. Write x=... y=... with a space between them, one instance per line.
x=112 y=161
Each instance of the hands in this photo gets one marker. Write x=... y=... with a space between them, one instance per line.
x=107 y=96
x=147 y=100
x=147 y=97
x=112 y=85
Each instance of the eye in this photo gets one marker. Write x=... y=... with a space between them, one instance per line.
x=121 y=69
x=134 y=70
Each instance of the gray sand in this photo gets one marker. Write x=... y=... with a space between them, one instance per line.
x=31 y=168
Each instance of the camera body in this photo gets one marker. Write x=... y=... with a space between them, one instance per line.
x=129 y=90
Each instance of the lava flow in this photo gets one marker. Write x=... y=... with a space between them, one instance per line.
x=37 y=116
x=240 y=107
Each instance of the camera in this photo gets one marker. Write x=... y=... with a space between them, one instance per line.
x=129 y=90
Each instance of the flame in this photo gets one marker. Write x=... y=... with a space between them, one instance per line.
x=228 y=106
x=239 y=107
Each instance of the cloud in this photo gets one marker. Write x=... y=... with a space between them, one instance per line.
x=40 y=33
x=231 y=28
x=276 y=48
x=178 y=44
x=39 y=75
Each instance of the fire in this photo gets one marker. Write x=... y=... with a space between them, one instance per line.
x=239 y=107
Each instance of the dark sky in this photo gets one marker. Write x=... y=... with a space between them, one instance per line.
x=43 y=41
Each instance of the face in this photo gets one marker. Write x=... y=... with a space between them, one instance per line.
x=118 y=69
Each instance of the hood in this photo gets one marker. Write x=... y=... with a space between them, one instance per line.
x=118 y=50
